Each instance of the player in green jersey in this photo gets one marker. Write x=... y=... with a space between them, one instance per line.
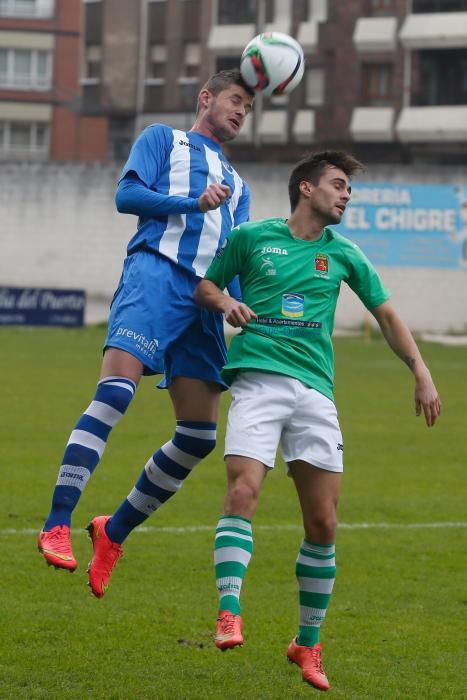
x=281 y=371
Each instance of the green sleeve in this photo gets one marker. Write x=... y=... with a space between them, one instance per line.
x=229 y=259
x=365 y=281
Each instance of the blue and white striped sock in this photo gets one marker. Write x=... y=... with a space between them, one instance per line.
x=86 y=445
x=163 y=476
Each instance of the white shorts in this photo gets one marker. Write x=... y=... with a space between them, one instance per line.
x=272 y=409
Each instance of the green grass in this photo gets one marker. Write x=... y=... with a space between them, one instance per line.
x=396 y=623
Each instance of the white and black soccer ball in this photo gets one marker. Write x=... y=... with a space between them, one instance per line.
x=272 y=63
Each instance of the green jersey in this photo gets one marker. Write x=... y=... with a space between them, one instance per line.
x=293 y=286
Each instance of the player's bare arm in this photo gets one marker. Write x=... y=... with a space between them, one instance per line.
x=213 y=196
x=210 y=296
x=401 y=341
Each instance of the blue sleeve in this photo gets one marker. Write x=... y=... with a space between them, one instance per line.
x=134 y=197
x=234 y=289
x=149 y=154
x=242 y=212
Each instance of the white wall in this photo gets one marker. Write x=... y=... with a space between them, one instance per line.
x=59 y=228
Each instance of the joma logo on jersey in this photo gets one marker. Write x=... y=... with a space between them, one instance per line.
x=190 y=145
x=277 y=251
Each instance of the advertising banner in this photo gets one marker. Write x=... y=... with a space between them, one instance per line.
x=41 y=307
x=409 y=225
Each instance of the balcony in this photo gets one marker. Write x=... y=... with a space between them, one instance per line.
x=432 y=124
x=440 y=30
x=375 y=34
x=273 y=126
x=303 y=130
x=372 y=124
x=307 y=36
x=225 y=38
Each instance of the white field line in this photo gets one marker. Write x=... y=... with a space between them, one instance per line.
x=10 y=531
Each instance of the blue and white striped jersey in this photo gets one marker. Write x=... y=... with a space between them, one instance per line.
x=179 y=166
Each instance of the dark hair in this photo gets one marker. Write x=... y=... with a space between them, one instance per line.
x=311 y=168
x=222 y=80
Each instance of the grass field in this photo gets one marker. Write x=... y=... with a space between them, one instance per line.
x=396 y=624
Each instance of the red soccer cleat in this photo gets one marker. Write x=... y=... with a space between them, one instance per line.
x=106 y=555
x=55 y=547
x=228 y=630
x=309 y=660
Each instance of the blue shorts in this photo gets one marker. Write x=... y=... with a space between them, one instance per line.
x=153 y=317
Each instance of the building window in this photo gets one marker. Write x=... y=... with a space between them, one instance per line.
x=24 y=139
x=27 y=8
x=377 y=84
x=439 y=6
x=443 y=78
x=21 y=69
x=235 y=12
x=191 y=59
x=93 y=64
x=157 y=63
x=245 y=11
x=314 y=87
x=382 y=8
x=226 y=63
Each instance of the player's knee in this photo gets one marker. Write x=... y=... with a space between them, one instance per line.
x=195 y=439
x=116 y=392
x=203 y=448
x=242 y=497
x=321 y=527
x=207 y=447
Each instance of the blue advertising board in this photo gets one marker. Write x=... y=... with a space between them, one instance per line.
x=409 y=225
x=41 y=307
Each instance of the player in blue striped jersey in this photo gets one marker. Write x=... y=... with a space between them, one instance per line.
x=187 y=197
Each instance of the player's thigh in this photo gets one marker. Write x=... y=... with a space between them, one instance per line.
x=318 y=491
x=118 y=363
x=195 y=399
x=261 y=405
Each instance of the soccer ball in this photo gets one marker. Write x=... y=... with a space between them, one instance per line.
x=272 y=63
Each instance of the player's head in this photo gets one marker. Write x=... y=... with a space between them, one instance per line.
x=224 y=102
x=322 y=181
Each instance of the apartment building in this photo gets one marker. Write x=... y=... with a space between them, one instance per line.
x=411 y=80
x=40 y=101
x=386 y=79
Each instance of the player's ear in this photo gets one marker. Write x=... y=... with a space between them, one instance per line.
x=204 y=97
x=306 y=188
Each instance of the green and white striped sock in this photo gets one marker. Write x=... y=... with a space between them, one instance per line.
x=232 y=553
x=316 y=572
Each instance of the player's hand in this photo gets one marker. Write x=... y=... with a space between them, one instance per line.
x=213 y=196
x=236 y=313
x=427 y=399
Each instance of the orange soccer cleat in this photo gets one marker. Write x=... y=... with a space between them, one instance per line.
x=309 y=660
x=106 y=556
x=55 y=547
x=228 y=630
